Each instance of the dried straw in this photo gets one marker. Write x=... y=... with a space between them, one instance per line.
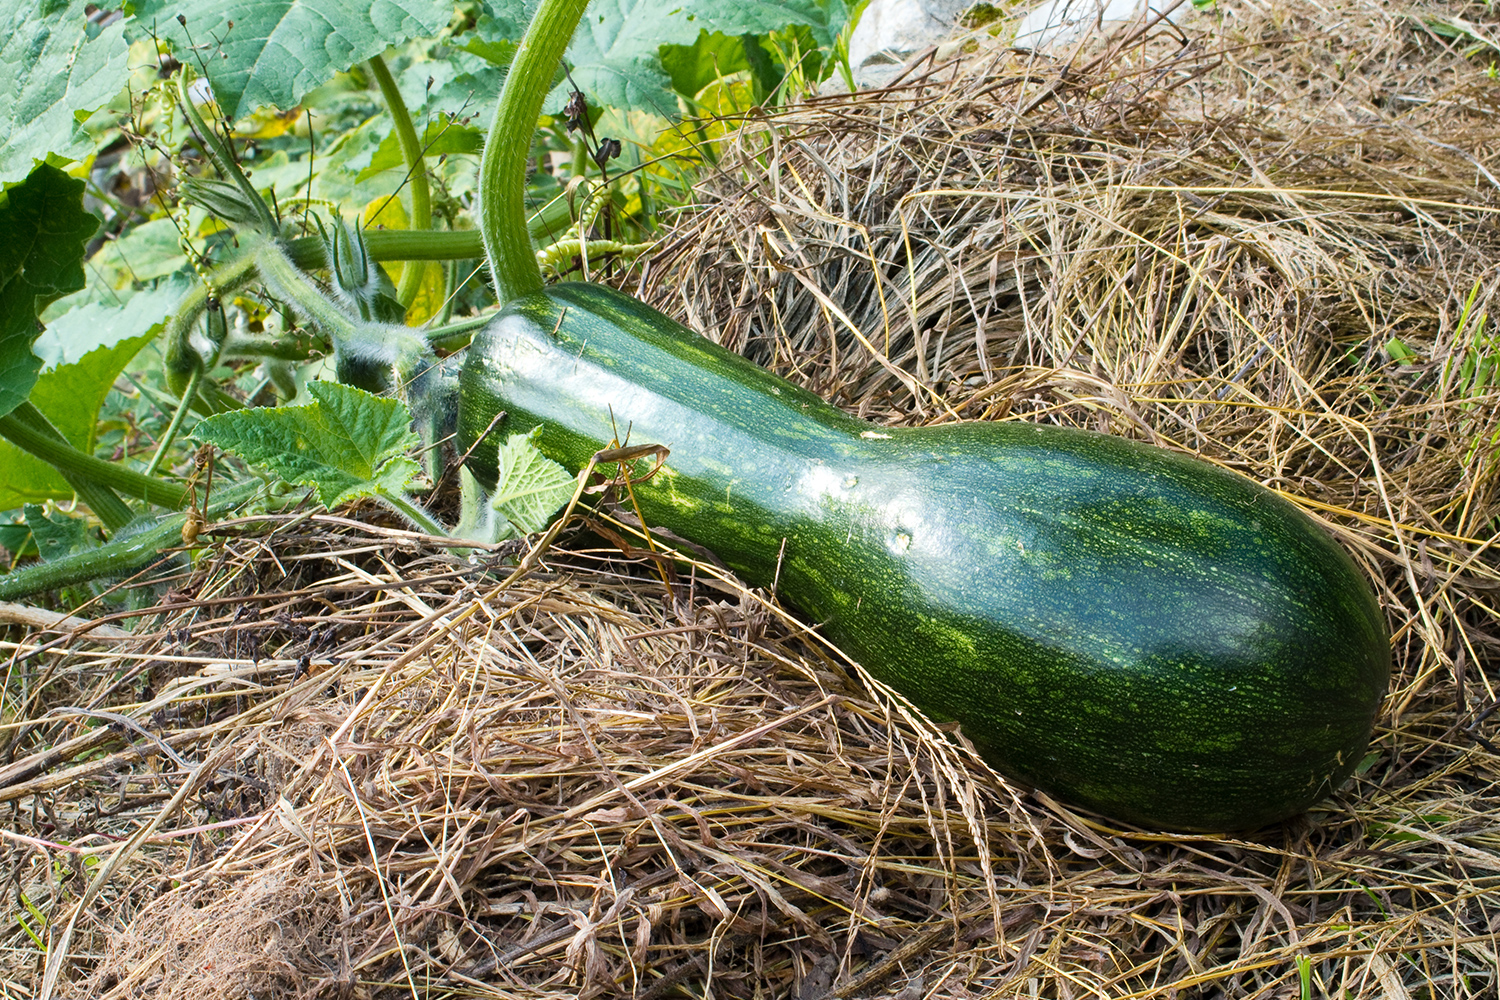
x=409 y=781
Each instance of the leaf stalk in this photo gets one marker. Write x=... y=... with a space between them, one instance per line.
x=416 y=172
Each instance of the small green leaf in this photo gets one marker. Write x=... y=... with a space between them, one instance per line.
x=56 y=535
x=41 y=258
x=530 y=489
x=1398 y=351
x=347 y=443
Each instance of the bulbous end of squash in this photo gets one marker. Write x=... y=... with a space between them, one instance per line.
x=1129 y=629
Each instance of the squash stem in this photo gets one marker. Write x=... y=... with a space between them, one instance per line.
x=502 y=169
x=117 y=557
x=289 y=284
x=106 y=505
x=68 y=459
x=181 y=355
x=195 y=380
x=416 y=172
x=223 y=158
x=414 y=512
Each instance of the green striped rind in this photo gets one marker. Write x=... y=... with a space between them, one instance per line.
x=1126 y=628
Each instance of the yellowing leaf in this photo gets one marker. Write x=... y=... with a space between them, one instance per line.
x=429 y=294
x=268 y=123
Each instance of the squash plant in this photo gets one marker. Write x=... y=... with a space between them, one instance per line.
x=1131 y=630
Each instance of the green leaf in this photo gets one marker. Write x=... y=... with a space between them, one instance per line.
x=57 y=535
x=347 y=443
x=530 y=489
x=41 y=257
x=615 y=54
x=90 y=325
x=1398 y=351
x=441 y=138
x=278 y=50
x=70 y=396
x=711 y=57
x=16 y=542
x=57 y=68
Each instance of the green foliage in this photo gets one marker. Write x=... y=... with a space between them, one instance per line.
x=297 y=131
x=41 y=257
x=70 y=396
x=530 y=488
x=57 y=68
x=442 y=138
x=56 y=535
x=280 y=50
x=90 y=325
x=616 y=58
x=1475 y=360
x=346 y=444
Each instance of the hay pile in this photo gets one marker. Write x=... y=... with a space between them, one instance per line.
x=352 y=765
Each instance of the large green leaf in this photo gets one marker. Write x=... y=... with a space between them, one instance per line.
x=278 y=50
x=57 y=68
x=41 y=257
x=92 y=324
x=347 y=443
x=442 y=138
x=615 y=55
x=70 y=396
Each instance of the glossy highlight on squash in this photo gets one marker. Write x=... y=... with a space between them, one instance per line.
x=1128 y=629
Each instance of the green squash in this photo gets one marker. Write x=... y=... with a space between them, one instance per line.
x=1129 y=629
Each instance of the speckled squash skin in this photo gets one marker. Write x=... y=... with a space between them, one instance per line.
x=1129 y=629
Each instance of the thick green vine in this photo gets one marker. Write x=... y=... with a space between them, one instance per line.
x=502 y=168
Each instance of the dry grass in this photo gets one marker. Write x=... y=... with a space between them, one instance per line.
x=355 y=766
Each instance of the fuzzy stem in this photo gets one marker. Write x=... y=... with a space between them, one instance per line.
x=502 y=168
x=194 y=381
x=292 y=286
x=296 y=348
x=456 y=335
x=119 y=556
x=416 y=170
x=412 y=511
x=180 y=355
x=66 y=458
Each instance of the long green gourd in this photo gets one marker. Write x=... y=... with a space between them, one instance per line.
x=1129 y=629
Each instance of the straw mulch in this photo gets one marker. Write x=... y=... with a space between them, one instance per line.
x=342 y=762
